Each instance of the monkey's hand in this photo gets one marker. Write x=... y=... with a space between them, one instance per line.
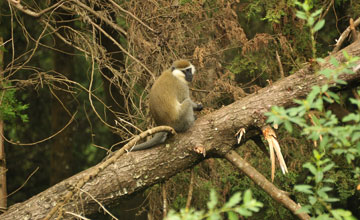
x=198 y=107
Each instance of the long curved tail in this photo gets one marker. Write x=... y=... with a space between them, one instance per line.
x=159 y=138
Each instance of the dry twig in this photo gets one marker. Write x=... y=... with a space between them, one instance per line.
x=343 y=36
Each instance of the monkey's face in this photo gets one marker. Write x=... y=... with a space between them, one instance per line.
x=188 y=74
x=183 y=70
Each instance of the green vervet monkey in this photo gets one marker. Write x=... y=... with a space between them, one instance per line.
x=170 y=103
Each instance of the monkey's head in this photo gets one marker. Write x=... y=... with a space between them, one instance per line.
x=183 y=69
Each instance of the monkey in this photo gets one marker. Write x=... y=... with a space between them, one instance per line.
x=170 y=103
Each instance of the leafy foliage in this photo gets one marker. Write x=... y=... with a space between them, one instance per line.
x=311 y=21
x=232 y=208
x=340 y=137
x=323 y=127
x=10 y=107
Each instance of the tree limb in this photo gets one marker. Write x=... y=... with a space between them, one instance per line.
x=26 y=10
x=344 y=35
x=139 y=170
x=277 y=194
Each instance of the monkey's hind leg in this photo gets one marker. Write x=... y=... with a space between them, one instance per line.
x=186 y=116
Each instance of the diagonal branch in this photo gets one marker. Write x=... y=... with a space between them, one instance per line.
x=277 y=194
x=26 y=10
x=136 y=171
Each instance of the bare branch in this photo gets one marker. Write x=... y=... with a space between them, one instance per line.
x=103 y=18
x=45 y=139
x=277 y=194
x=132 y=15
x=343 y=36
x=26 y=10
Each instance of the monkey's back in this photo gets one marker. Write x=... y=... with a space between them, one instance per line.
x=165 y=98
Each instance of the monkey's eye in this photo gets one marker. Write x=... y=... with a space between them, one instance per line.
x=186 y=71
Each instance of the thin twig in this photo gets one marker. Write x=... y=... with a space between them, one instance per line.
x=77 y=215
x=27 y=11
x=45 y=139
x=121 y=48
x=282 y=75
x=132 y=15
x=353 y=31
x=327 y=10
x=165 y=205
x=99 y=203
x=343 y=36
x=35 y=47
x=90 y=87
x=22 y=185
x=103 y=18
x=191 y=188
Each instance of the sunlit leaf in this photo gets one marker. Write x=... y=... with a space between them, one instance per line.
x=213 y=200
x=234 y=200
x=319 y=25
x=304 y=188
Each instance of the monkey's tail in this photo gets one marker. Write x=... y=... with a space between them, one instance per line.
x=159 y=138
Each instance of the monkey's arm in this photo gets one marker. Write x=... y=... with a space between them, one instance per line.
x=196 y=106
x=159 y=138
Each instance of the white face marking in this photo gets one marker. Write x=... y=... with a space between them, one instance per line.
x=180 y=75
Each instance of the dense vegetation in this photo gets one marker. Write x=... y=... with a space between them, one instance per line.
x=75 y=79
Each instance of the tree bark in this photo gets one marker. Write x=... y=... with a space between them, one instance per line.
x=215 y=132
x=3 y=170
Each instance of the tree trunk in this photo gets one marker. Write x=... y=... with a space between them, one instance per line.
x=3 y=188
x=216 y=131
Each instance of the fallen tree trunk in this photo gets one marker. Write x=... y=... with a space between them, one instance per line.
x=214 y=132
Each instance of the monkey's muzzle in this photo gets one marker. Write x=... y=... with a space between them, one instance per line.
x=188 y=74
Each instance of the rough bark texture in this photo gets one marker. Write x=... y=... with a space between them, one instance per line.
x=138 y=170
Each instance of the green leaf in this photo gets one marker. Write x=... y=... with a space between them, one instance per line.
x=304 y=209
x=323 y=217
x=213 y=200
x=247 y=196
x=319 y=25
x=327 y=73
x=310 y=21
x=301 y=15
x=288 y=126
x=328 y=167
x=334 y=61
x=342 y=214
x=316 y=13
x=214 y=216
x=312 y=200
x=351 y=117
x=349 y=158
x=320 y=60
x=331 y=199
x=234 y=200
x=304 y=188
x=232 y=216
x=324 y=88
x=319 y=176
x=310 y=167
x=243 y=211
